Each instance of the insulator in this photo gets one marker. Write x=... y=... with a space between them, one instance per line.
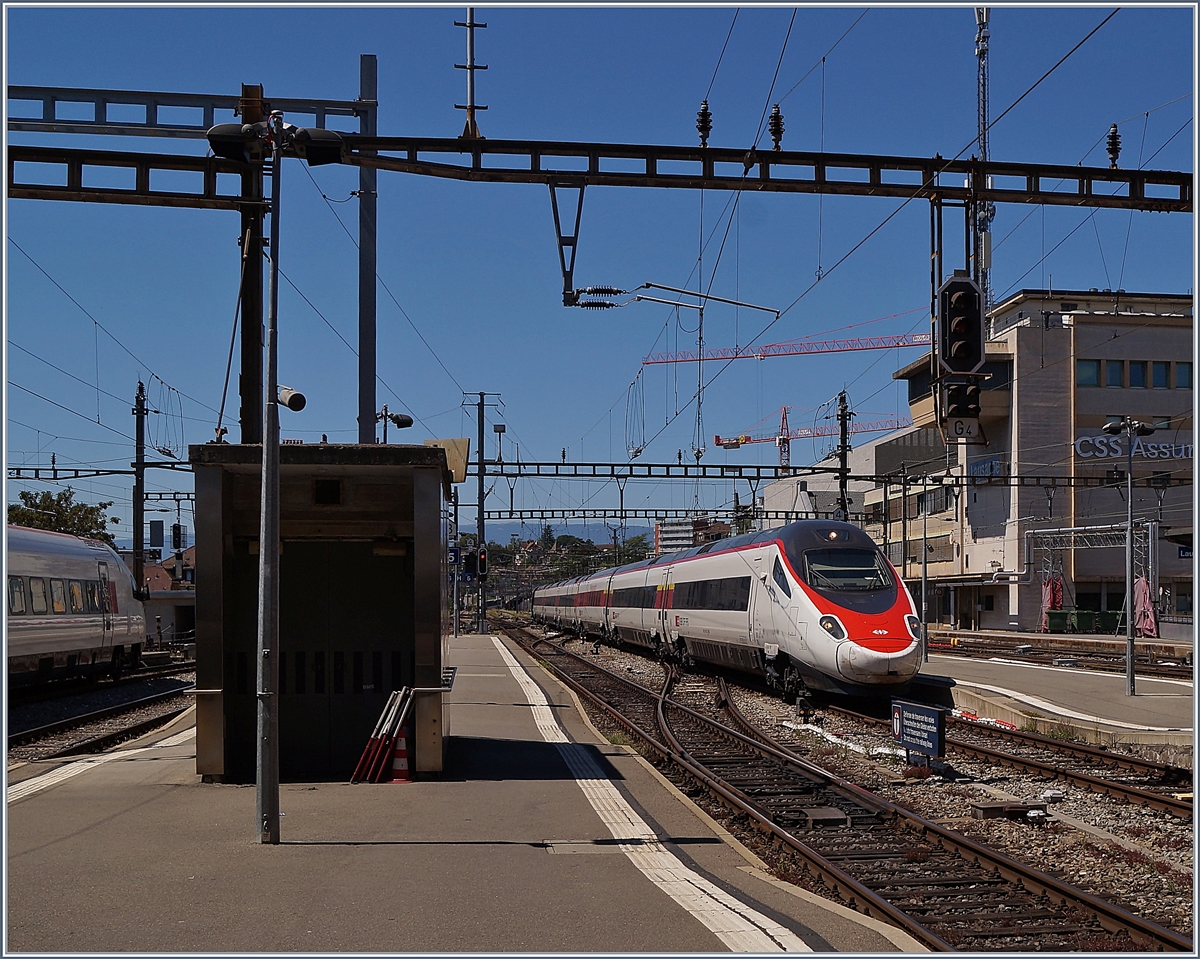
x=775 y=125
x=704 y=123
x=602 y=291
x=595 y=304
x=1114 y=146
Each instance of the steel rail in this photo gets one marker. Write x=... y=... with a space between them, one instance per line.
x=98 y=743
x=40 y=732
x=1182 y=808
x=857 y=895
x=1134 y=794
x=1111 y=917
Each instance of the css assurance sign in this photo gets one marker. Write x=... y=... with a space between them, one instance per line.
x=1105 y=446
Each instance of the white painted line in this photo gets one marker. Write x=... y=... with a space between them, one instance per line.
x=741 y=928
x=1057 y=710
x=72 y=769
x=1068 y=669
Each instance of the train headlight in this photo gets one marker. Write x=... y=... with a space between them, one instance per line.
x=833 y=627
x=914 y=626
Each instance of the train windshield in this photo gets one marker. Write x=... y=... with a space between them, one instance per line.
x=847 y=569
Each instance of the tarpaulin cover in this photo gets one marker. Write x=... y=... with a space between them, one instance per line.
x=1144 y=621
x=1052 y=598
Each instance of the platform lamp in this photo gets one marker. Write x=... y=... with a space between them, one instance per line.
x=499 y=429
x=249 y=142
x=1129 y=428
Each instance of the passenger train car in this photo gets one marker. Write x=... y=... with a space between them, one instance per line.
x=72 y=608
x=812 y=604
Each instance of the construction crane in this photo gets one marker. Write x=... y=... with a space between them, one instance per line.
x=792 y=348
x=784 y=436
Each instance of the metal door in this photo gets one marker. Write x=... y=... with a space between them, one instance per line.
x=105 y=597
x=663 y=602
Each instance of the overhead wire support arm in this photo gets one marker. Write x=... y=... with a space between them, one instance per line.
x=715 y=168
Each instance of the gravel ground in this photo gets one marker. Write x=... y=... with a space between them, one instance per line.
x=32 y=715
x=1138 y=858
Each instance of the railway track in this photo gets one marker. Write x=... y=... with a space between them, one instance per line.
x=98 y=730
x=1099 y=661
x=946 y=890
x=44 y=692
x=1140 y=781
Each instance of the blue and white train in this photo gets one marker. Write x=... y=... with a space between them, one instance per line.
x=72 y=607
x=812 y=604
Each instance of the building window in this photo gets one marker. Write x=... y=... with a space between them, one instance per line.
x=1183 y=376
x=1161 y=375
x=1113 y=420
x=1162 y=423
x=1137 y=374
x=1087 y=372
x=1114 y=373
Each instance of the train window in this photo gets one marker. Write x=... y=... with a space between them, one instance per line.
x=723 y=594
x=16 y=595
x=37 y=595
x=76 y=591
x=92 y=593
x=58 y=596
x=846 y=569
x=780 y=578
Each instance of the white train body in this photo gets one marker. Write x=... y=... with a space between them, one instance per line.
x=71 y=606
x=814 y=602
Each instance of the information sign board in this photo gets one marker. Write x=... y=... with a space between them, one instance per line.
x=922 y=728
x=454 y=555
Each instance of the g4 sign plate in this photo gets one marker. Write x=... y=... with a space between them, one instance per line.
x=963 y=429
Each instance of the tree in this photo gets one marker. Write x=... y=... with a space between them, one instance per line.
x=636 y=548
x=547 y=538
x=62 y=514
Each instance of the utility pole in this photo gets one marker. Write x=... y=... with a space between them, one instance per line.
x=924 y=568
x=457 y=566
x=368 y=95
x=985 y=211
x=844 y=415
x=479 y=540
x=267 y=756
x=139 y=489
x=471 y=129
x=250 y=380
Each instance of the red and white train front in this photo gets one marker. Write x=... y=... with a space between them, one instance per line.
x=867 y=629
x=812 y=604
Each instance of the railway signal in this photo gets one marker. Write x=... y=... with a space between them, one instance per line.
x=481 y=563
x=960 y=326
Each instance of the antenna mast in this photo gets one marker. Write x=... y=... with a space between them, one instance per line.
x=471 y=129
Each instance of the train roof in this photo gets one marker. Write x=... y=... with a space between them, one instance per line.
x=796 y=537
x=26 y=539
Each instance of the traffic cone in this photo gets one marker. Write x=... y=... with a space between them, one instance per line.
x=400 y=770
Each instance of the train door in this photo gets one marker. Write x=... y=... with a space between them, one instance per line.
x=106 y=604
x=663 y=607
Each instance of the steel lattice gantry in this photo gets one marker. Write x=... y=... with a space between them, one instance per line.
x=51 y=173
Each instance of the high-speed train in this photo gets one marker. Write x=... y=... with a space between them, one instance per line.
x=72 y=608
x=814 y=604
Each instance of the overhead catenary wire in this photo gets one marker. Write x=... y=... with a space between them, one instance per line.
x=107 y=332
x=895 y=212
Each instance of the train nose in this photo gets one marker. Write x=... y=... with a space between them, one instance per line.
x=858 y=664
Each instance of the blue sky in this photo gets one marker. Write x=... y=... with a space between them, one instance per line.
x=475 y=266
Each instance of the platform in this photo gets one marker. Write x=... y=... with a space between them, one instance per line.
x=538 y=836
x=1095 y=704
